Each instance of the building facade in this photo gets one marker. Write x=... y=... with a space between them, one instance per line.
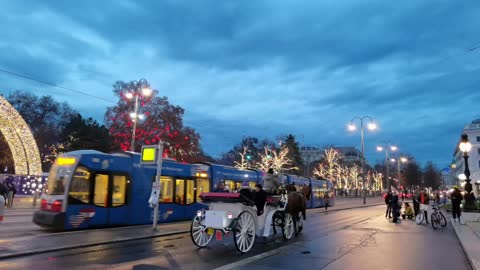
x=473 y=132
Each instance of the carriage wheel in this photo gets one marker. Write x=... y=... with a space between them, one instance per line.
x=199 y=234
x=244 y=233
x=299 y=223
x=288 y=226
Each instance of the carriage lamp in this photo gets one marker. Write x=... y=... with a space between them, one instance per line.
x=229 y=215
x=201 y=214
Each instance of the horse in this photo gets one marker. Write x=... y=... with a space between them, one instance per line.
x=297 y=201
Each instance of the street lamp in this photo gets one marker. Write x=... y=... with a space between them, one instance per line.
x=371 y=126
x=386 y=148
x=465 y=146
x=144 y=91
x=399 y=160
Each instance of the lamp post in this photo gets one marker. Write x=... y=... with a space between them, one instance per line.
x=399 y=160
x=143 y=90
x=393 y=148
x=371 y=126
x=465 y=146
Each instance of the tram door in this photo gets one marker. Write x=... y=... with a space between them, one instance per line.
x=110 y=197
x=184 y=199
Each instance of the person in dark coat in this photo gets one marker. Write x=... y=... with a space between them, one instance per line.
x=395 y=207
x=388 y=199
x=260 y=199
x=456 y=197
x=3 y=191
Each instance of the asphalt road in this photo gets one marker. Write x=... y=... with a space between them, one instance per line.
x=335 y=240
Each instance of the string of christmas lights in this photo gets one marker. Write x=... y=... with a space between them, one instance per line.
x=19 y=137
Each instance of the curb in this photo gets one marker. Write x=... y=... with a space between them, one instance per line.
x=127 y=239
x=473 y=263
x=70 y=247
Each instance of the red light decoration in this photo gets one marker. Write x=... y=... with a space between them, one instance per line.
x=186 y=138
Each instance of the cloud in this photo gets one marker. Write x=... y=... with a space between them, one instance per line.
x=263 y=68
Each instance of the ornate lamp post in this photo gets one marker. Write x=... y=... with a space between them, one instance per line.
x=144 y=91
x=371 y=126
x=465 y=146
x=393 y=148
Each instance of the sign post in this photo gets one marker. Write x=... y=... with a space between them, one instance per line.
x=153 y=155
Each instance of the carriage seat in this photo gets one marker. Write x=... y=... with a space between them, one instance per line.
x=273 y=200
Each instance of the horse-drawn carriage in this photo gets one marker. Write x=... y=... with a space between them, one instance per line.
x=234 y=213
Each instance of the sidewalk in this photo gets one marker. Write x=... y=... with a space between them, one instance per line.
x=469 y=237
x=30 y=245
x=24 y=202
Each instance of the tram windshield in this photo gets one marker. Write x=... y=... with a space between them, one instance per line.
x=59 y=175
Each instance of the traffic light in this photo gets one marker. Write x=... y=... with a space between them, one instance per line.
x=249 y=157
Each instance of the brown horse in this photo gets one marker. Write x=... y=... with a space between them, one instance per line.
x=297 y=201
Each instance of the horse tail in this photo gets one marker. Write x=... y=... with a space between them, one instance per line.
x=304 y=209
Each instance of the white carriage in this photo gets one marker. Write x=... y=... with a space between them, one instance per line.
x=233 y=213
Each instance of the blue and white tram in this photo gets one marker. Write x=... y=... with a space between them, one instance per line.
x=88 y=189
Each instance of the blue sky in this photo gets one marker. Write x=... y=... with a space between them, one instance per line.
x=263 y=68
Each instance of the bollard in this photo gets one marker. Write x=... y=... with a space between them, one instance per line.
x=2 y=208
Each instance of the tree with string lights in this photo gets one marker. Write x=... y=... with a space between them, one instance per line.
x=244 y=159
x=265 y=162
x=160 y=121
x=327 y=169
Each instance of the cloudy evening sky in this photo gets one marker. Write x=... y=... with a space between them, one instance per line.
x=263 y=68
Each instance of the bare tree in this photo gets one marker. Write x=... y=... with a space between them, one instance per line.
x=266 y=161
x=280 y=160
x=327 y=169
x=243 y=164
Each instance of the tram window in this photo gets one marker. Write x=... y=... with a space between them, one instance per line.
x=80 y=186
x=57 y=179
x=180 y=191
x=252 y=184
x=203 y=185
x=166 y=189
x=190 y=192
x=119 y=190
x=101 y=190
x=230 y=185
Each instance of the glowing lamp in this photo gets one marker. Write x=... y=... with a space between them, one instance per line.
x=65 y=161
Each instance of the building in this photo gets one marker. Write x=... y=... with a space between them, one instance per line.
x=310 y=154
x=473 y=132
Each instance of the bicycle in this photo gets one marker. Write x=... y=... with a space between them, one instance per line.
x=421 y=214
x=437 y=218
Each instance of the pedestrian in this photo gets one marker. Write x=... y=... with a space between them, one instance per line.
x=388 y=199
x=424 y=199
x=3 y=191
x=456 y=197
x=394 y=205
x=416 y=205
x=408 y=213
x=326 y=199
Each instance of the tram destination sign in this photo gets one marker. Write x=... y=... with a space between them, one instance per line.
x=149 y=154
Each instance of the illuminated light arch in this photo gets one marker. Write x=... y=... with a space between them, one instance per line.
x=18 y=135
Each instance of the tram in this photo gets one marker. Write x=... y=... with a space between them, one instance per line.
x=91 y=189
